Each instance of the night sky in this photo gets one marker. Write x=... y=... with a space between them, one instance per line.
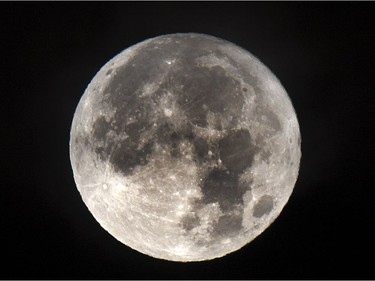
x=322 y=53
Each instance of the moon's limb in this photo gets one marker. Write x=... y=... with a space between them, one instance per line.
x=185 y=147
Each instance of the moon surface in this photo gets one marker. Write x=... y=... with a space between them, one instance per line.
x=185 y=147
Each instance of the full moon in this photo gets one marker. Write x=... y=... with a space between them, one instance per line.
x=185 y=147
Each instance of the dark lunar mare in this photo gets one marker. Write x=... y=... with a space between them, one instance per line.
x=198 y=90
x=124 y=155
x=237 y=151
x=224 y=186
x=263 y=206
x=208 y=89
x=200 y=85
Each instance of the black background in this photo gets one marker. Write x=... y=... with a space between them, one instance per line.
x=321 y=52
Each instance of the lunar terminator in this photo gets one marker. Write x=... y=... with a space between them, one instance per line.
x=185 y=147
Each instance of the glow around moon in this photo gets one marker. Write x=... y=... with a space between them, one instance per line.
x=185 y=147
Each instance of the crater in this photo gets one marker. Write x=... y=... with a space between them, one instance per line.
x=263 y=206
